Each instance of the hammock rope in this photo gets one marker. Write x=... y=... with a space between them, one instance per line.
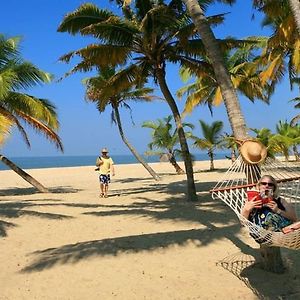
x=241 y=177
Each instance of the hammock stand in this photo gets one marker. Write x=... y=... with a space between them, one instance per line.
x=241 y=177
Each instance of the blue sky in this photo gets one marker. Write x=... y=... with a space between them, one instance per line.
x=83 y=130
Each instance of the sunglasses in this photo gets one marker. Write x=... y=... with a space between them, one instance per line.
x=267 y=184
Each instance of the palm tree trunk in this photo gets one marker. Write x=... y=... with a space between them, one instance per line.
x=233 y=155
x=296 y=153
x=231 y=102
x=174 y=163
x=211 y=158
x=295 y=7
x=232 y=105
x=23 y=174
x=133 y=151
x=191 y=188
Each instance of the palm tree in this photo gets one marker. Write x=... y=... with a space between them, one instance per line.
x=229 y=142
x=277 y=5
x=148 y=37
x=281 y=55
x=264 y=135
x=113 y=88
x=243 y=72
x=287 y=136
x=215 y=55
x=17 y=108
x=295 y=7
x=295 y=119
x=164 y=139
x=211 y=140
x=271 y=256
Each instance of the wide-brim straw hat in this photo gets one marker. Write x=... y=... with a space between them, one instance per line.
x=253 y=152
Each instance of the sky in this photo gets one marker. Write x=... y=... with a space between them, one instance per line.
x=83 y=130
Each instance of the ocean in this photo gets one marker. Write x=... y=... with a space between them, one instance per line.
x=89 y=160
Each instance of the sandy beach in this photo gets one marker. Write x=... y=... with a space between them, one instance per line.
x=144 y=241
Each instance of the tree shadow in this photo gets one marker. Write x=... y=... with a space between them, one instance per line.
x=32 y=190
x=19 y=209
x=162 y=188
x=73 y=253
x=207 y=213
x=3 y=227
x=217 y=221
x=265 y=285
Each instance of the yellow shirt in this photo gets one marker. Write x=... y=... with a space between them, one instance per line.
x=105 y=168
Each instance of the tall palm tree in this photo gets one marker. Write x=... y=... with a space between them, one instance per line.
x=215 y=55
x=17 y=108
x=271 y=256
x=114 y=89
x=295 y=7
x=165 y=139
x=149 y=36
x=212 y=139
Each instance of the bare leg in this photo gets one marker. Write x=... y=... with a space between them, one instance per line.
x=105 y=190
x=101 y=189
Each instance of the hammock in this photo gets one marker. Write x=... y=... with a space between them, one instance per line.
x=241 y=177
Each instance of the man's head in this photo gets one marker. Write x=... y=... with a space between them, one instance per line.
x=104 y=151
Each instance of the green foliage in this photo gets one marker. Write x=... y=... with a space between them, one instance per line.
x=282 y=141
x=211 y=136
x=16 y=107
x=244 y=73
x=212 y=139
x=164 y=136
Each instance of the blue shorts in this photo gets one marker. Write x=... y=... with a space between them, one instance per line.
x=104 y=179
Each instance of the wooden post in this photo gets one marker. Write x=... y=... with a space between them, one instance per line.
x=271 y=259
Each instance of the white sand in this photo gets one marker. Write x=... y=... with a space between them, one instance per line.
x=143 y=242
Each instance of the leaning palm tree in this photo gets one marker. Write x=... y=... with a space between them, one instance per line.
x=211 y=140
x=165 y=139
x=271 y=256
x=295 y=7
x=111 y=88
x=150 y=35
x=17 y=108
x=235 y=115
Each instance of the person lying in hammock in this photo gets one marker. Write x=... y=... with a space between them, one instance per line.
x=267 y=209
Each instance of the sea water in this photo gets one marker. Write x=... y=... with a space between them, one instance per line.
x=88 y=160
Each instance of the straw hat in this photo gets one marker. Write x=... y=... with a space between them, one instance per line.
x=253 y=152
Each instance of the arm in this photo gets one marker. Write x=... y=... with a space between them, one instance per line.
x=112 y=168
x=289 y=211
x=249 y=206
x=99 y=161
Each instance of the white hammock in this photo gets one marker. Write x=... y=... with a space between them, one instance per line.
x=232 y=188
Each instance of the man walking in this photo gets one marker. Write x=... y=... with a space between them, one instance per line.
x=105 y=165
